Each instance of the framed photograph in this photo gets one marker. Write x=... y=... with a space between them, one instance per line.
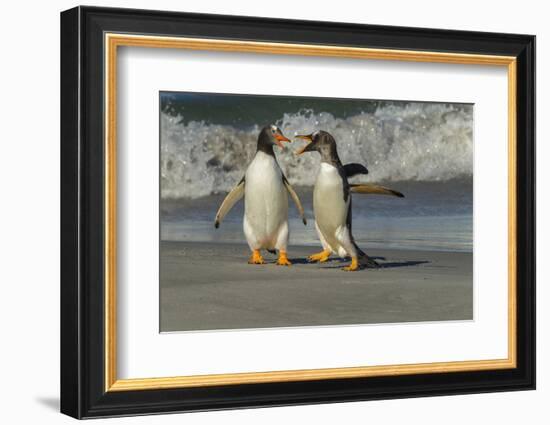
x=261 y=212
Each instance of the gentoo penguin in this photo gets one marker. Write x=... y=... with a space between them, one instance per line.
x=332 y=201
x=264 y=187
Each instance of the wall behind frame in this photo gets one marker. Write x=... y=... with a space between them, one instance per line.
x=29 y=219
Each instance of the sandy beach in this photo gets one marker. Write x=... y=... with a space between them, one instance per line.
x=207 y=286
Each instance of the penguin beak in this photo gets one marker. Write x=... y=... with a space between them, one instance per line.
x=308 y=138
x=279 y=138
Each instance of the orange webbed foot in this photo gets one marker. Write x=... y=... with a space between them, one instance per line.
x=354 y=266
x=320 y=257
x=283 y=259
x=256 y=258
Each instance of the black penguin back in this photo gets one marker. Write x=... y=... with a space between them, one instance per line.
x=265 y=143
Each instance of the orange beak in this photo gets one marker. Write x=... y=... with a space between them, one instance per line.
x=304 y=137
x=279 y=138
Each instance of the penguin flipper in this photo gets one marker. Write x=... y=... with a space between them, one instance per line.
x=296 y=199
x=353 y=169
x=231 y=199
x=369 y=188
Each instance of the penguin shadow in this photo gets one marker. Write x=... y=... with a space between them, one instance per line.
x=338 y=263
x=300 y=260
x=388 y=265
x=396 y=264
x=304 y=260
x=272 y=258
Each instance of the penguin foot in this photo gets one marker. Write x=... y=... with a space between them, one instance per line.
x=354 y=266
x=321 y=257
x=283 y=260
x=256 y=258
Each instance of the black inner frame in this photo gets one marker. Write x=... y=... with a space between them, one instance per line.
x=82 y=212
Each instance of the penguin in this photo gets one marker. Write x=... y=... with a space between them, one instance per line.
x=264 y=187
x=332 y=201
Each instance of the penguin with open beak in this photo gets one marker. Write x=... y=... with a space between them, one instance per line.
x=265 y=188
x=332 y=201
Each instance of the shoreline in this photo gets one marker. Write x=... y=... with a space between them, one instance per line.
x=209 y=286
x=235 y=234
x=432 y=217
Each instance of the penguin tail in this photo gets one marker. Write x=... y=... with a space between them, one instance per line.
x=365 y=259
x=272 y=251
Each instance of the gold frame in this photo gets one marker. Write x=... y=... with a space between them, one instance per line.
x=113 y=41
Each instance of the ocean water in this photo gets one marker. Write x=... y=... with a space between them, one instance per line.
x=424 y=150
x=432 y=216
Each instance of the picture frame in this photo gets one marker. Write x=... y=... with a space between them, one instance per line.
x=90 y=40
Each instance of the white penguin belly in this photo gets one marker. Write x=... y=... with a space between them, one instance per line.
x=329 y=207
x=266 y=204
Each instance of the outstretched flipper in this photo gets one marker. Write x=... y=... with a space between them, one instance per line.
x=231 y=199
x=296 y=199
x=374 y=189
x=353 y=169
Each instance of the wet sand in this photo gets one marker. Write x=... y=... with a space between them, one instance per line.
x=207 y=286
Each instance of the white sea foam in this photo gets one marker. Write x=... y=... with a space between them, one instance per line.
x=416 y=142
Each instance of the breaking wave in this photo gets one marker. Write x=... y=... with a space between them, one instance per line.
x=414 y=142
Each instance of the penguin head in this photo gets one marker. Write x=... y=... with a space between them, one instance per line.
x=319 y=141
x=269 y=136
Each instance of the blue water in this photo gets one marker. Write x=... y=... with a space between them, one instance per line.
x=424 y=150
x=432 y=216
